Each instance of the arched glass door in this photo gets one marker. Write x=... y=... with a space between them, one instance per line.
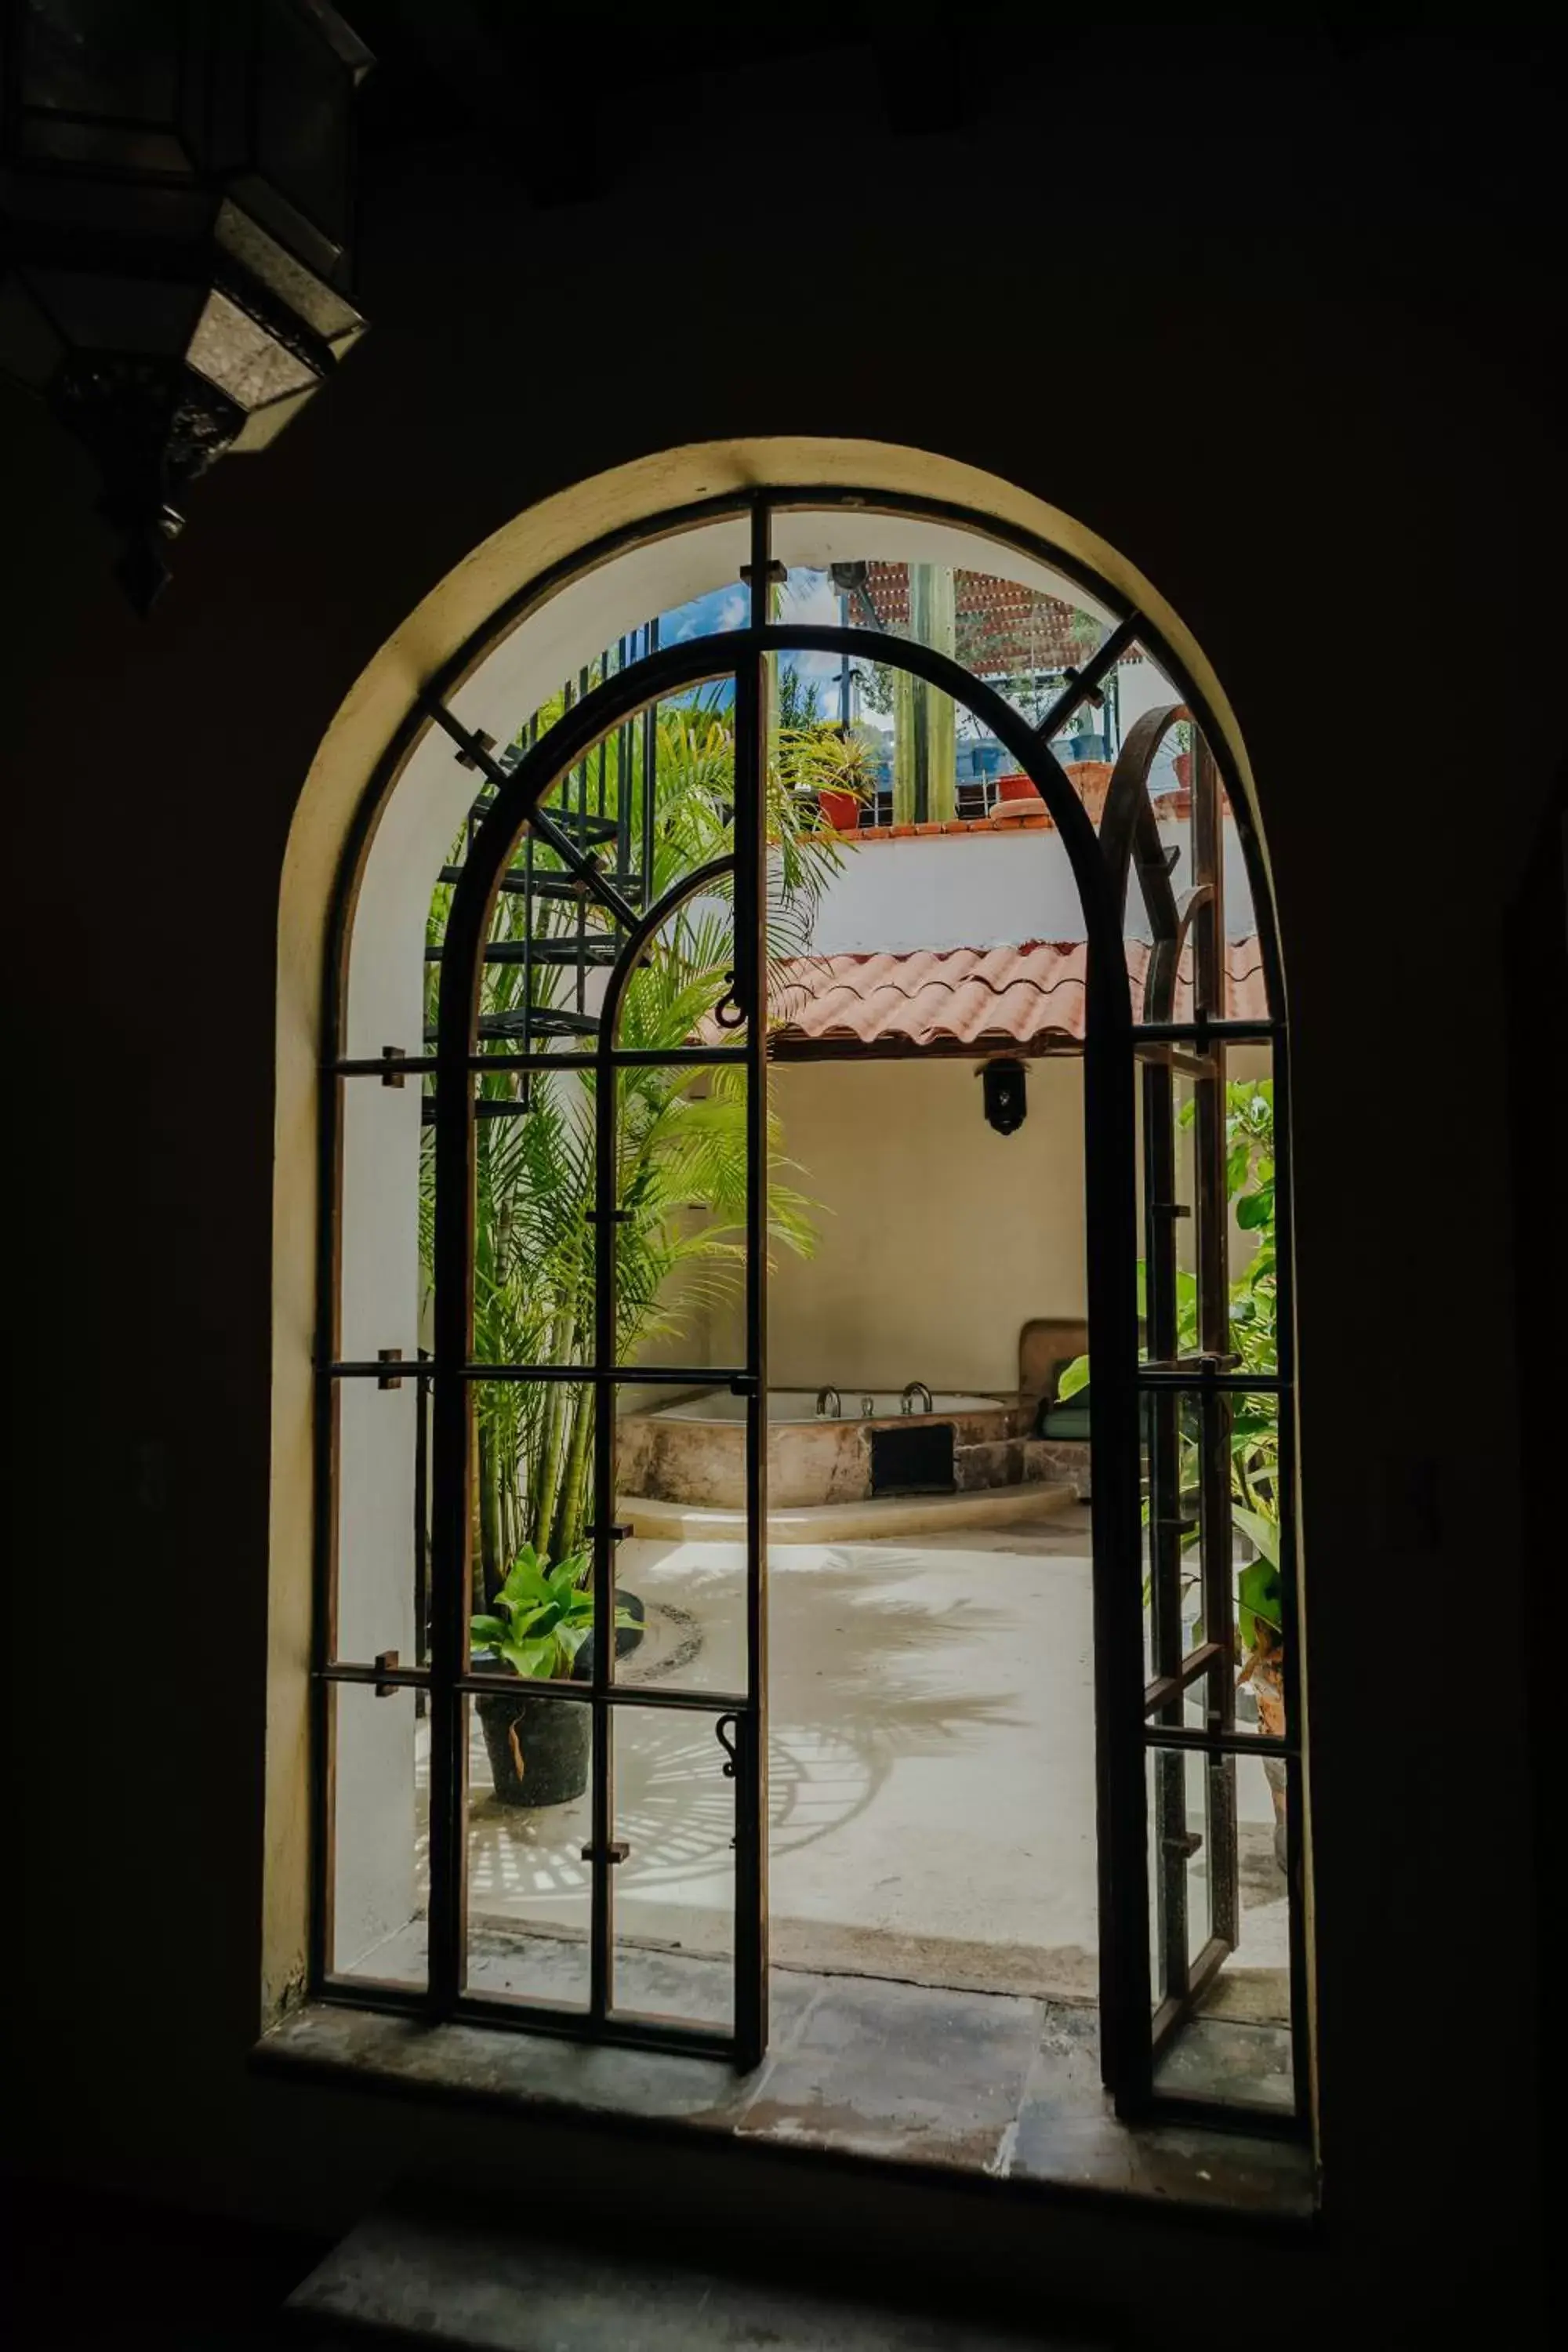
x=571 y=873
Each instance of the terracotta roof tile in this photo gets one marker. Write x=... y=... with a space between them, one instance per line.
x=976 y=996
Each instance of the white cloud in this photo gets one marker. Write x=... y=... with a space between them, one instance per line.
x=811 y=596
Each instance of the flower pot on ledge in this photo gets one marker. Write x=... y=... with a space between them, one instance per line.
x=840 y=810
x=1017 y=801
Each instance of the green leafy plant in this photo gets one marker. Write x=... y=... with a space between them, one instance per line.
x=1254 y=1339
x=541 y=1616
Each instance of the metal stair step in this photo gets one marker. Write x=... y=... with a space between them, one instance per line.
x=580 y=825
x=556 y=886
x=595 y=949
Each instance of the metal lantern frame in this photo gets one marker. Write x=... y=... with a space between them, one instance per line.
x=177 y=198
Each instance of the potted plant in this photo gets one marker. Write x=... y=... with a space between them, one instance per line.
x=1182 y=735
x=540 y=1627
x=830 y=763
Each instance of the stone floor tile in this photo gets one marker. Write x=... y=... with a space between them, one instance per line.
x=900 y=2070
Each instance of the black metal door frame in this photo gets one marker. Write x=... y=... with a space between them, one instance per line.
x=1112 y=1049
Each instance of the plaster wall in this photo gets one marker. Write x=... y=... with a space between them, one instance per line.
x=938 y=1238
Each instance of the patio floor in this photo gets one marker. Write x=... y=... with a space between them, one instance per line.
x=931 y=1769
x=932 y=1801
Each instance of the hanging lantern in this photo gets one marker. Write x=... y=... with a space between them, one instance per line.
x=1005 y=1090
x=175 y=201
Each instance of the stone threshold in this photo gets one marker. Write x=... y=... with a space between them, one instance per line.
x=824 y=1523
x=1000 y=2090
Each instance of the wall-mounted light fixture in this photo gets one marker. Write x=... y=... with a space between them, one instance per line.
x=175 y=204
x=1004 y=1089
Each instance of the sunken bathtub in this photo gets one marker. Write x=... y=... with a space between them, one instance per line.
x=695 y=1451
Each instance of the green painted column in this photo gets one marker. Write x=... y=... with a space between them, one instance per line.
x=924 y=721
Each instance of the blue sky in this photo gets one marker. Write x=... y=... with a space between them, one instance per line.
x=808 y=597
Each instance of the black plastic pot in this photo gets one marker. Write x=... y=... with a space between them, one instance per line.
x=627 y=1637
x=552 y=1740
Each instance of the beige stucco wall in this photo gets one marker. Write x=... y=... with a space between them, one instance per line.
x=938 y=1237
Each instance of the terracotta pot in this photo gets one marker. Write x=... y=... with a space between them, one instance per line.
x=1016 y=788
x=842 y=811
x=1183 y=765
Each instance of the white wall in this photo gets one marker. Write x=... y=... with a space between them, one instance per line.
x=938 y=1237
x=986 y=890
x=950 y=890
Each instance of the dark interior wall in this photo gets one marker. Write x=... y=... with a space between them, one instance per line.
x=1236 y=340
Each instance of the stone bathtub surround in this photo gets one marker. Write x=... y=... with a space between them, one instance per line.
x=674 y=1456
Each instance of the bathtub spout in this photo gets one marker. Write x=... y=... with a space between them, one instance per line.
x=826 y=1397
x=913 y=1389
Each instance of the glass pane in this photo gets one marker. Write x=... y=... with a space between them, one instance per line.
x=1192 y=1842
x=1167 y=1207
x=531 y=1553
x=1214 y=1112
x=1234 y=2048
x=552 y=940
x=1249 y=1185
x=933 y=761
x=1172 y=1527
x=681 y=1572
x=528 y=1816
x=380 y=1862
x=675 y=1887
x=1256 y=1565
x=554 y=933
x=387 y=1181
x=1189 y=1600
x=680 y=1239
x=534 y=1231
x=1246 y=995
x=383 y=1516
x=681 y=993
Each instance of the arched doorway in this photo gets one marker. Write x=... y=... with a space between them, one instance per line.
x=1189 y=1410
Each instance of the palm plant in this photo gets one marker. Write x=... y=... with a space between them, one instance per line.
x=681 y=1132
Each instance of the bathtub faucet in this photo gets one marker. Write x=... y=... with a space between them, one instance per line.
x=826 y=1397
x=917 y=1389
